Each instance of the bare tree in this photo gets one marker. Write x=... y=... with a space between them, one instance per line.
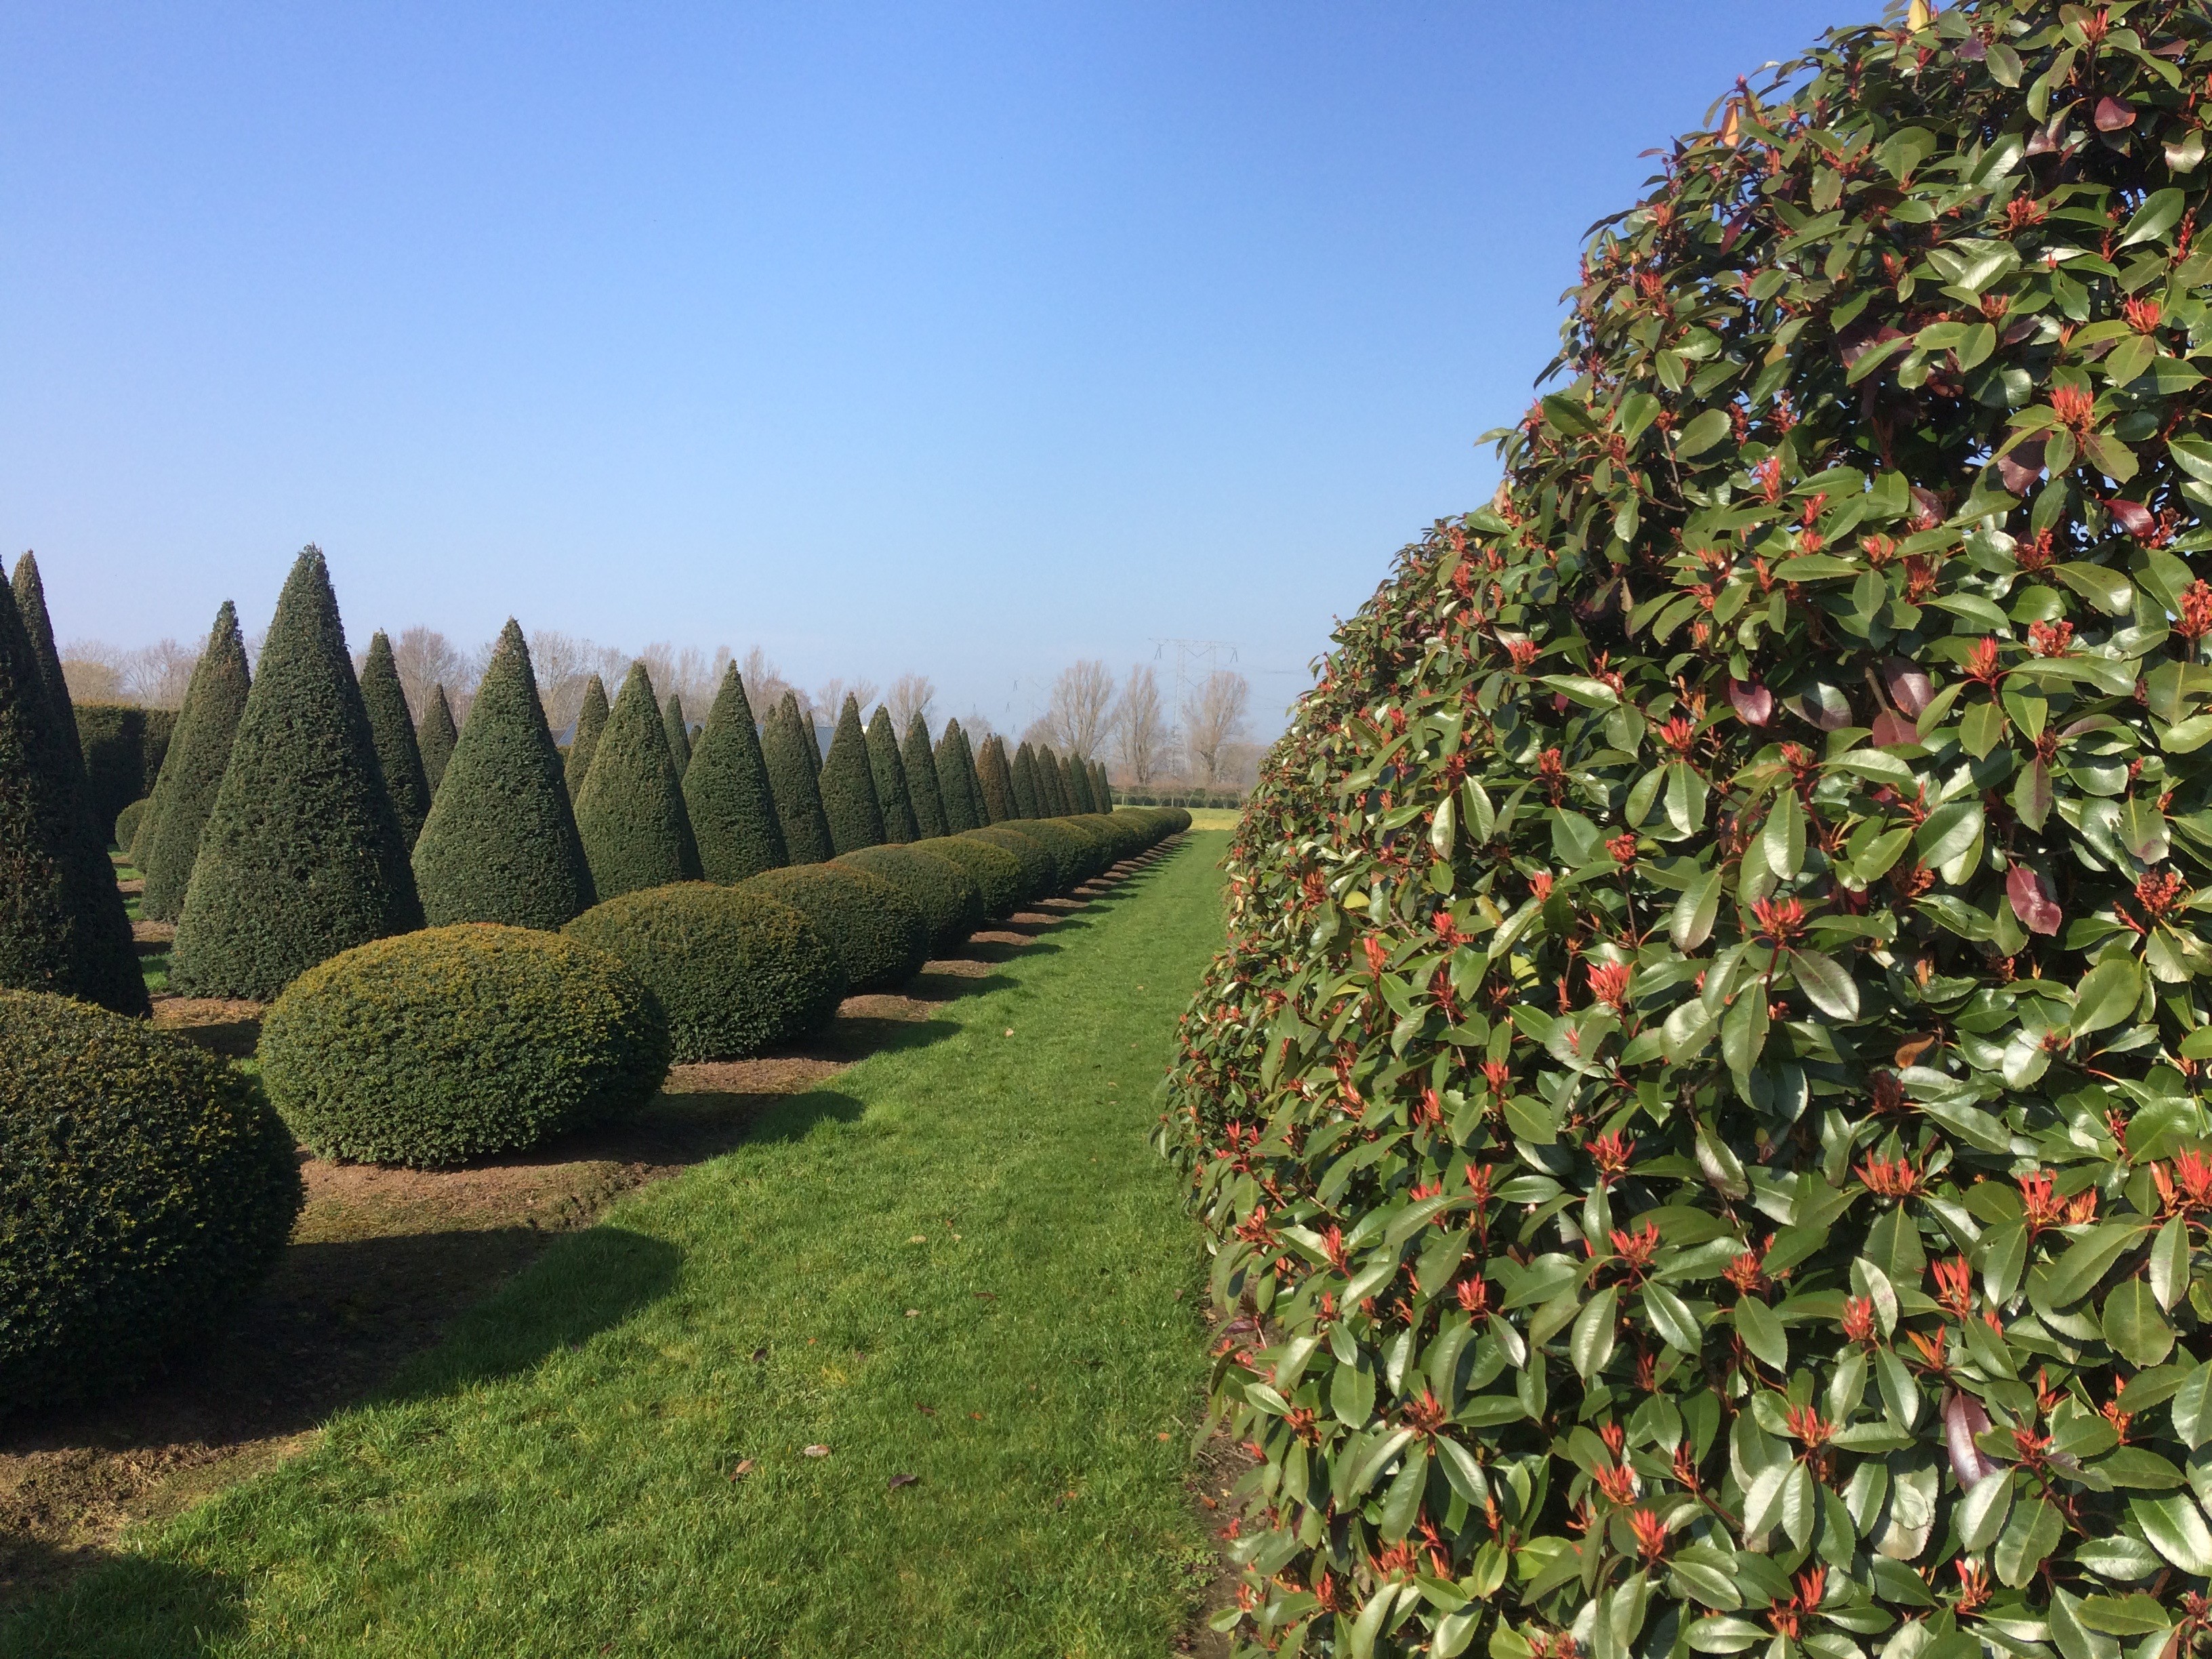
x=829 y=701
x=686 y=672
x=1215 y=719
x=562 y=664
x=152 y=675
x=977 y=724
x=1141 y=726
x=910 y=694
x=92 y=672
x=427 y=659
x=1080 y=714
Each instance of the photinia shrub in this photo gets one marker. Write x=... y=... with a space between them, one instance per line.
x=1700 y=1117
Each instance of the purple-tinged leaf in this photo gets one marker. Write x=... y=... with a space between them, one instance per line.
x=1909 y=686
x=1891 y=728
x=2113 y=116
x=2022 y=464
x=1964 y=1418
x=1754 y=702
x=2032 y=901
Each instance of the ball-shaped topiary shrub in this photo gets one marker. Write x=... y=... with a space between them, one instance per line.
x=735 y=972
x=950 y=903
x=877 y=933
x=454 y=1043
x=997 y=872
x=1070 y=849
x=1699 y=1116
x=144 y=1189
x=127 y=821
x=1040 y=869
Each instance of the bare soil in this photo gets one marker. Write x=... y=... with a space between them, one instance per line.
x=381 y=1258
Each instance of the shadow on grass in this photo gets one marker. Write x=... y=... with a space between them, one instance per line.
x=129 y=1607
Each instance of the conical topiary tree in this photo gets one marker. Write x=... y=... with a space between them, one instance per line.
x=168 y=841
x=787 y=748
x=437 y=736
x=1052 y=799
x=1761 y=839
x=630 y=809
x=891 y=792
x=813 y=735
x=302 y=856
x=501 y=844
x=996 y=779
x=679 y=734
x=393 y=728
x=849 y=785
x=1078 y=784
x=30 y=605
x=1027 y=801
x=922 y=781
x=1102 y=787
x=63 y=929
x=960 y=811
x=583 y=742
x=727 y=790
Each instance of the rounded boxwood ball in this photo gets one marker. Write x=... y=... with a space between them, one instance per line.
x=876 y=930
x=736 y=972
x=144 y=1188
x=451 y=1043
x=127 y=821
x=996 y=872
x=950 y=903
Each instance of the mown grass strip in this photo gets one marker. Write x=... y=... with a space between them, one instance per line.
x=561 y=1475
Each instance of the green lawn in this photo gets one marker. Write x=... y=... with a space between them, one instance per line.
x=558 y=1477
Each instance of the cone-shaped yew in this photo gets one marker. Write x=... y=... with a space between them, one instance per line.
x=397 y=751
x=630 y=809
x=726 y=789
x=1078 y=784
x=921 y=782
x=584 y=743
x=168 y=839
x=1102 y=787
x=437 y=736
x=787 y=747
x=996 y=780
x=31 y=604
x=893 y=794
x=63 y=929
x=849 y=785
x=1028 y=802
x=679 y=733
x=500 y=843
x=302 y=856
x=1052 y=798
x=962 y=806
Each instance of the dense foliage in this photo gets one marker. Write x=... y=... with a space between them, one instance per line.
x=679 y=734
x=584 y=740
x=998 y=874
x=877 y=933
x=1026 y=802
x=630 y=808
x=127 y=821
x=893 y=794
x=500 y=843
x=922 y=787
x=302 y=855
x=123 y=745
x=949 y=898
x=995 y=778
x=454 y=1043
x=726 y=792
x=734 y=970
x=168 y=840
x=436 y=737
x=1700 y=1117
x=30 y=592
x=144 y=1189
x=393 y=728
x=787 y=749
x=848 y=785
x=63 y=929
x=1040 y=869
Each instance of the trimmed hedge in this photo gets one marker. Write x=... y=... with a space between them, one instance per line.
x=996 y=780
x=500 y=843
x=950 y=902
x=1070 y=850
x=630 y=809
x=123 y=746
x=449 y=1044
x=735 y=971
x=1024 y=777
x=397 y=750
x=584 y=740
x=962 y=809
x=847 y=783
x=144 y=1189
x=997 y=872
x=726 y=792
x=436 y=737
x=167 y=844
x=877 y=933
x=31 y=604
x=922 y=785
x=679 y=733
x=788 y=751
x=892 y=795
x=62 y=924
x=127 y=820
x=302 y=856
x=1040 y=869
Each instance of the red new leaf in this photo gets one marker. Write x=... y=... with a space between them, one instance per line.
x=1754 y=703
x=2032 y=901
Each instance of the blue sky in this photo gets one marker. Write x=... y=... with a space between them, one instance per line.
x=964 y=339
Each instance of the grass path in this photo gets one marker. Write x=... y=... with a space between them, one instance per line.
x=559 y=1476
